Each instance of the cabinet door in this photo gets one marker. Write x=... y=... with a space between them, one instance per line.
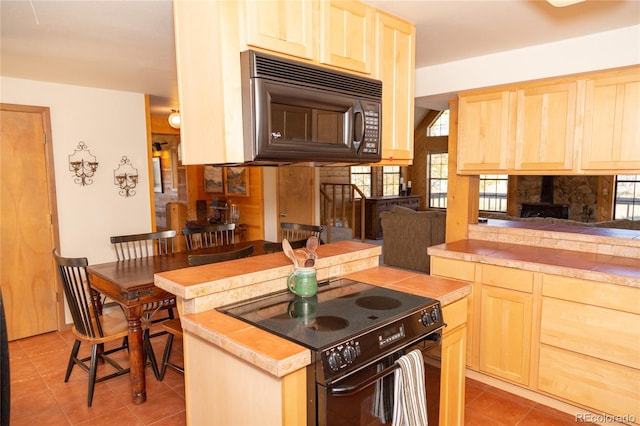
x=281 y=25
x=545 y=127
x=209 y=81
x=395 y=58
x=483 y=132
x=611 y=125
x=505 y=333
x=346 y=35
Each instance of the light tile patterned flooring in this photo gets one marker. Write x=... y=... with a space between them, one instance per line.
x=39 y=395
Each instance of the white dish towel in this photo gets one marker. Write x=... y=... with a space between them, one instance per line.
x=410 y=396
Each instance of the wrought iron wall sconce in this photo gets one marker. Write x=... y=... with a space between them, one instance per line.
x=83 y=164
x=125 y=177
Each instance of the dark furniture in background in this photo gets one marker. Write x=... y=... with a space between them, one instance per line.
x=376 y=205
x=298 y=231
x=131 y=285
x=90 y=325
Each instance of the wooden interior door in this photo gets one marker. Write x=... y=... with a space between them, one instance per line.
x=296 y=194
x=28 y=222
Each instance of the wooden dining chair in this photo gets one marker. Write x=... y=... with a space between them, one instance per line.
x=173 y=326
x=137 y=246
x=90 y=325
x=271 y=247
x=299 y=231
x=203 y=259
x=209 y=235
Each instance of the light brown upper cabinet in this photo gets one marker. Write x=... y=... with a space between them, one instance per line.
x=395 y=65
x=545 y=127
x=612 y=122
x=483 y=131
x=282 y=26
x=346 y=35
x=568 y=125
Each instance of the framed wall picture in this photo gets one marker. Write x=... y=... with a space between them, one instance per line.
x=214 y=179
x=237 y=181
x=157 y=175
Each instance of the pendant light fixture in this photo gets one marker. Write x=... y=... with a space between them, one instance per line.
x=174 y=119
x=563 y=3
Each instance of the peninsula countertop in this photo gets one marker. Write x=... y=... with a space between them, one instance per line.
x=601 y=267
x=281 y=357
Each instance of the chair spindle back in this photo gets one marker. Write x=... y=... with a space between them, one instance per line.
x=82 y=300
x=136 y=246
x=209 y=236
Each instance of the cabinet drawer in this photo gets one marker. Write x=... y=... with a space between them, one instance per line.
x=455 y=314
x=602 y=333
x=451 y=268
x=619 y=297
x=586 y=381
x=511 y=278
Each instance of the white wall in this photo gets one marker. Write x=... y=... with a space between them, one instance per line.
x=437 y=84
x=111 y=124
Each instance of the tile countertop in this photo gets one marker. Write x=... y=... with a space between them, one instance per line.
x=281 y=357
x=604 y=268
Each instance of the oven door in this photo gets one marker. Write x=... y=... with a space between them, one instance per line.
x=367 y=397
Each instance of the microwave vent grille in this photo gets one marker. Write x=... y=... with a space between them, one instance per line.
x=272 y=68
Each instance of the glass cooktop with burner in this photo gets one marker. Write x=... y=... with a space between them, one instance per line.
x=341 y=309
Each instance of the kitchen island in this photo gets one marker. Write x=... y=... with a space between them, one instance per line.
x=239 y=374
x=554 y=314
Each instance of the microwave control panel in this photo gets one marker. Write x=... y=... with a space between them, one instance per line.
x=371 y=128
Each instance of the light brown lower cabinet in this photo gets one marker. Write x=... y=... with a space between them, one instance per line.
x=575 y=340
x=505 y=333
x=454 y=341
x=591 y=382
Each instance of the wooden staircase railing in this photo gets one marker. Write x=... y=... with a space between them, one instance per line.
x=338 y=203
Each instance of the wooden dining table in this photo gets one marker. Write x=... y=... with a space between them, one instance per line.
x=130 y=283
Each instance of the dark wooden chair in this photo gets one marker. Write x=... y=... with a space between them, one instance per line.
x=90 y=325
x=137 y=246
x=298 y=231
x=271 y=247
x=173 y=326
x=209 y=235
x=203 y=259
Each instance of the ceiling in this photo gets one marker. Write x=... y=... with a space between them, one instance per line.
x=129 y=45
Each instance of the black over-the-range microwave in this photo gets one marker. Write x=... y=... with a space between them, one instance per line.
x=297 y=112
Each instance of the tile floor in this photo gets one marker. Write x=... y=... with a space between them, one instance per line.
x=40 y=396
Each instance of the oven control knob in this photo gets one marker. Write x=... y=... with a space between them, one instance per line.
x=426 y=319
x=435 y=316
x=349 y=354
x=334 y=361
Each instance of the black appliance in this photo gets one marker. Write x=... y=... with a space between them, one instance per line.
x=297 y=112
x=355 y=332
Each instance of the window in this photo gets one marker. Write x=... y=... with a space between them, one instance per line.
x=440 y=127
x=437 y=175
x=361 y=177
x=627 y=197
x=493 y=193
x=390 y=180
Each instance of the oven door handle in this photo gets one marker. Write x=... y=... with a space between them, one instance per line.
x=348 y=390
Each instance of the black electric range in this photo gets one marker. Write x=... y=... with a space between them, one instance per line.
x=346 y=325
